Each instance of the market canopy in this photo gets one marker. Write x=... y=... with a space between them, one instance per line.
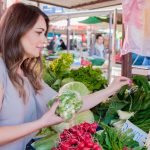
x=80 y=4
x=95 y=20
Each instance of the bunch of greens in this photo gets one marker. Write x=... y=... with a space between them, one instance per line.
x=93 y=79
x=113 y=139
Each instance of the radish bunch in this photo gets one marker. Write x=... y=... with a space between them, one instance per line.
x=78 y=137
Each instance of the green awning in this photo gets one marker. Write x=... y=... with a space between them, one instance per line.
x=95 y=20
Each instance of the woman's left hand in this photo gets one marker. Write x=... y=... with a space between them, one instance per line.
x=118 y=82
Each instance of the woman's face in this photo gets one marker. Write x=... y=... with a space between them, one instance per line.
x=33 y=41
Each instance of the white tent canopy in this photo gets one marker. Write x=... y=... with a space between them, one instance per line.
x=85 y=13
x=81 y=4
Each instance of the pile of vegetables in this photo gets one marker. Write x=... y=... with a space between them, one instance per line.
x=59 y=72
x=78 y=137
x=131 y=103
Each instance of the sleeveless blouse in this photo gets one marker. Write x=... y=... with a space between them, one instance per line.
x=15 y=112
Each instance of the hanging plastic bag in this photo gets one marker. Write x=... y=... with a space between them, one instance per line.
x=136 y=18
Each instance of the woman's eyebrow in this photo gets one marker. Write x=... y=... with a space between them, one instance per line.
x=41 y=29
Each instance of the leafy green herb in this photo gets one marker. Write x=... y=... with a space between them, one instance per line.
x=113 y=139
x=92 y=78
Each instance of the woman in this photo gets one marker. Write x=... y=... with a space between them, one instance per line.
x=23 y=94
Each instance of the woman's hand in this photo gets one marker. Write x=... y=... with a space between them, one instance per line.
x=50 y=118
x=117 y=83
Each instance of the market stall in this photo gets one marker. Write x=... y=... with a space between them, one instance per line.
x=121 y=123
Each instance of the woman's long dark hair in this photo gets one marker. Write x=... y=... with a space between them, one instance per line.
x=16 y=21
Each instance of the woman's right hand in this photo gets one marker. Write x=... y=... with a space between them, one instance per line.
x=50 y=118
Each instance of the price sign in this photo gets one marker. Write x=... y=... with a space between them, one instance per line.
x=139 y=135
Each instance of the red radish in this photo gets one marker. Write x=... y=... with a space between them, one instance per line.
x=73 y=130
x=94 y=125
x=89 y=143
x=65 y=146
x=86 y=148
x=81 y=145
x=87 y=136
x=62 y=136
x=97 y=148
x=73 y=141
x=92 y=130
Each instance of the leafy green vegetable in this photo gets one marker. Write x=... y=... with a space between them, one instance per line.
x=75 y=86
x=93 y=79
x=61 y=66
x=55 y=71
x=70 y=102
x=66 y=80
x=142 y=82
x=113 y=139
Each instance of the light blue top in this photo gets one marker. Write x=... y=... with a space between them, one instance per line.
x=99 y=50
x=15 y=112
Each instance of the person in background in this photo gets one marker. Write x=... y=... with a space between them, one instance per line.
x=51 y=45
x=98 y=48
x=23 y=93
x=62 y=45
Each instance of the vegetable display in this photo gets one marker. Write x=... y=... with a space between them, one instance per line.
x=78 y=138
x=78 y=132
x=131 y=103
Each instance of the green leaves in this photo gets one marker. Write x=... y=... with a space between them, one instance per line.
x=61 y=65
x=142 y=82
x=113 y=139
x=92 y=78
x=131 y=99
